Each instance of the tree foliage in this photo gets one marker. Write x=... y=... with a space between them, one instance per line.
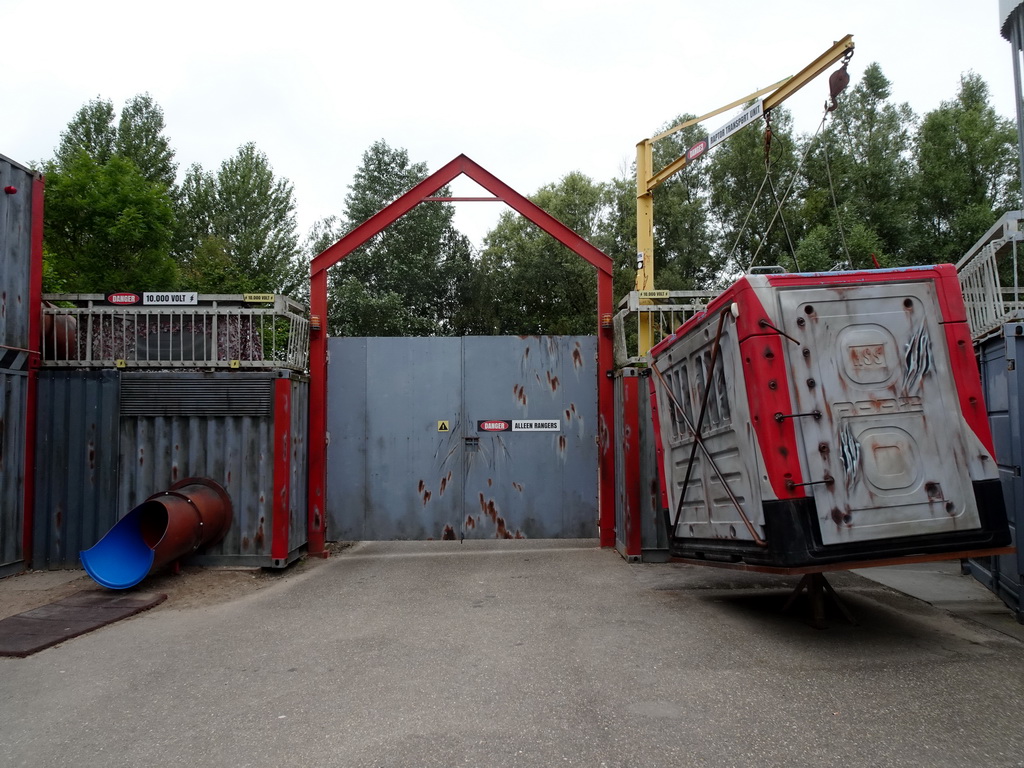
x=966 y=173
x=237 y=230
x=406 y=280
x=859 y=196
x=684 y=253
x=107 y=227
x=877 y=184
x=110 y=219
x=753 y=215
x=530 y=283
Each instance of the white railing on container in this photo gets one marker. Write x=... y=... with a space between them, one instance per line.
x=221 y=331
x=667 y=311
x=990 y=279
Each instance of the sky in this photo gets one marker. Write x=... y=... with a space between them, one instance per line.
x=531 y=90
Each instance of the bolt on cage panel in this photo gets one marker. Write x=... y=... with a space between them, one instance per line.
x=219 y=331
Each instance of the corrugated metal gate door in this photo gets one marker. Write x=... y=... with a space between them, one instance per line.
x=479 y=437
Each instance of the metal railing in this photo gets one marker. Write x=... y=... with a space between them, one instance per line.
x=990 y=277
x=219 y=331
x=667 y=309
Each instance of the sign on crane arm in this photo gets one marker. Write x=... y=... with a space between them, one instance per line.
x=741 y=121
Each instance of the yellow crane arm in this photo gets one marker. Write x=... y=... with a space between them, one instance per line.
x=647 y=180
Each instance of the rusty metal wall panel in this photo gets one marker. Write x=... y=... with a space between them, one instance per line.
x=1000 y=359
x=14 y=392
x=298 y=530
x=15 y=254
x=15 y=282
x=646 y=493
x=76 y=464
x=392 y=474
x=534 y=484
x=347 y=501
x=653 y=536
x=407 y=460
x=235 y=448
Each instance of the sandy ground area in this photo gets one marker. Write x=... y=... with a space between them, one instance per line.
x=190 y=587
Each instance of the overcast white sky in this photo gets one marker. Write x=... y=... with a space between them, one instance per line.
x=531 y=89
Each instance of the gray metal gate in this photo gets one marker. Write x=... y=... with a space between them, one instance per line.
x=478 y=437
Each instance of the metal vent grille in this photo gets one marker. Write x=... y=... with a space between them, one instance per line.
x=171 y=396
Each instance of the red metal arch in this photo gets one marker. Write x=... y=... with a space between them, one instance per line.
x=380 y=221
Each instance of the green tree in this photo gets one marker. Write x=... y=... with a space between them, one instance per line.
x=140 y=138
x=407 y=280
x=532 y=284
x=966 y=173
x=859 y=195
x=109 y=201
x=237 y=230
x=137 y=136
x=616 y=232
x=684 y=254
x=106 y=227
x=92 y=131
x=752 y=209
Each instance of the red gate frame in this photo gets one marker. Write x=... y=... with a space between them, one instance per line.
x=381 y=220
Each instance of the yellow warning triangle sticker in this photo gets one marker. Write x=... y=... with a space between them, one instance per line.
x=442 y=426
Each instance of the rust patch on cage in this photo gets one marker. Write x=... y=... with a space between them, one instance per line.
x=448 y=534
x=562 y=443
x=470 y=521
x=552 y=382
x=426 y=497
x=518 y=486
x=577 y=357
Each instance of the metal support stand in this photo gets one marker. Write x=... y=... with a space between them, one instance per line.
x=817 y=587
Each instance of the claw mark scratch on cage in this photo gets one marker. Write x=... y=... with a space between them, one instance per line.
x=918 y=357
x=849 y=452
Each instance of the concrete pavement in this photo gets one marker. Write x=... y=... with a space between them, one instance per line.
x=521 y=653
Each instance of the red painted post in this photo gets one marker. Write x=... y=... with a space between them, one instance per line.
x=606 y=412
x=316 y=528
x=279 y=546
x=629 y=444
x=35 y=305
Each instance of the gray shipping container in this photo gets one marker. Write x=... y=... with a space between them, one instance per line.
x=19 y=278
x=1000 y=359
x=110 y=439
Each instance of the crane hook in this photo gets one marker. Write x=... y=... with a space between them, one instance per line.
x=837 y=83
